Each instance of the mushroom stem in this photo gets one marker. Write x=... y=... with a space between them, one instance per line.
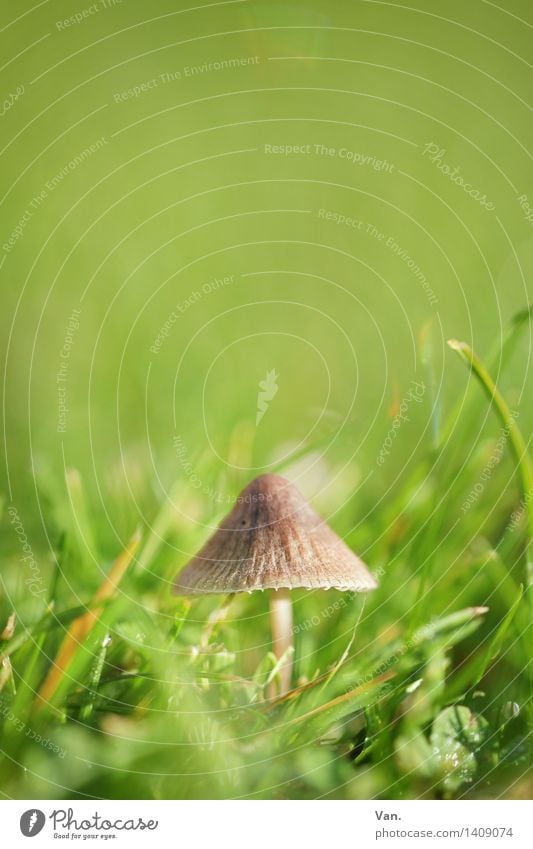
x=281 y=619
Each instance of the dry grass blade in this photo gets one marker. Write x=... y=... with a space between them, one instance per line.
x=82 y=626
x=344 y=697
x=6 y=674
x=9 y=628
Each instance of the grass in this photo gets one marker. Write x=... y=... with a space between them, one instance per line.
x=113 y=688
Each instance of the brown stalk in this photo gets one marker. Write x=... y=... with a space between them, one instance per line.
x=83 y=625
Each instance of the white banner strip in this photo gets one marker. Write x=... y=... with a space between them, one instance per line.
x=269 y=825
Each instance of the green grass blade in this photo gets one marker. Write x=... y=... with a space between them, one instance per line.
x=87 y=707
x=498 y=359
x=81 y=524
x=517 y=442
x=495 y=645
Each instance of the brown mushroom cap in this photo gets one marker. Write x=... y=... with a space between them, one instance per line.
x=272 y=539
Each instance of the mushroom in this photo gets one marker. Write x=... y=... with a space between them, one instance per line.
x=273 y=540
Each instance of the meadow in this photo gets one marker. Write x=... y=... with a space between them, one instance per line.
x=254 y=237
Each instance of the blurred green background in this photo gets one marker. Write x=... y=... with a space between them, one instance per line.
x=195 y=197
